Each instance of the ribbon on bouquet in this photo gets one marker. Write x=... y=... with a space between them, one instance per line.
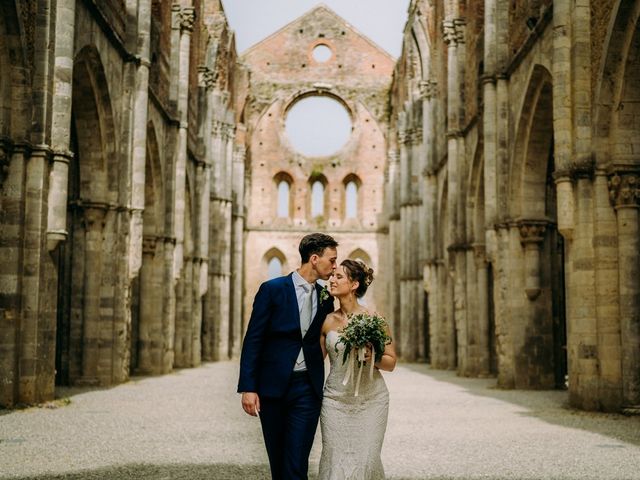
x=350 y=367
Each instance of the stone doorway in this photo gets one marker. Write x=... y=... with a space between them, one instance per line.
x=539 y=329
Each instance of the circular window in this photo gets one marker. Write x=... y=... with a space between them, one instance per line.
x=322 y=53
x=318 y=126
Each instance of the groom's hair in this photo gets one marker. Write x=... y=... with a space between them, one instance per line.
x=314 y=244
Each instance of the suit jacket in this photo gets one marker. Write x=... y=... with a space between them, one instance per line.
x=273 y=340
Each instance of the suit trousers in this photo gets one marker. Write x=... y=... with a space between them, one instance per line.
x=288 y=426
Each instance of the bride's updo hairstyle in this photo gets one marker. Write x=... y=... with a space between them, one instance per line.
x=358 y=271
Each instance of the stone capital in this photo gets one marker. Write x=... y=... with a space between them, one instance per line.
x=428 y=89
x=624 y=187
x=229 y=131
x=416 y=137
x=93 y=215
x=206 y=77
x=149 y=244
x=187 y=19
x=532 y=231
x=216 y=128
x=453 y=31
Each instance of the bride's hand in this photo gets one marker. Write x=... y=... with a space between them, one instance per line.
x=367 y=353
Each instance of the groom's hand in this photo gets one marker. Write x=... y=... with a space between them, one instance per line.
x=251 y=403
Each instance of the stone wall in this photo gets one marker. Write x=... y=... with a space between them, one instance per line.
x=106 y=197
x=283 y=71
x=523 y=266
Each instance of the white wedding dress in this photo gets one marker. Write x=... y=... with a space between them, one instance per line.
x=352 y=427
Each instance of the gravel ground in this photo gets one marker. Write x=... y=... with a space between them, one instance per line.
x=189 y=425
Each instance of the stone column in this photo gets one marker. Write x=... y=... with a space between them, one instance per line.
x=605 y=242
x=532 y=237
x=184 y=18
x=624 y=186
x=168 y=304
x=482 y=315
x=237 y=247
x=489 y=124
x=94 y=216
x=57 y=201
x=150 y=338
x=60 y=125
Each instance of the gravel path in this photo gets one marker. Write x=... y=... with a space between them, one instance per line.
x=189 y=425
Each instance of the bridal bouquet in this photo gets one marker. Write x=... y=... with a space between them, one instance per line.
x=363 y=330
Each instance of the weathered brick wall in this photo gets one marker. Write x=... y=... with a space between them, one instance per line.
x=519 y=13
x=282 y=68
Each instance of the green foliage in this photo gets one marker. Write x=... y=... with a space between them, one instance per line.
x=364 y=329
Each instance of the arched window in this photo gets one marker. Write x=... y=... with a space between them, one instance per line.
x=317 y=199
x=351 y=200
x=283 y=199
x=283 y=185
x=274 y=268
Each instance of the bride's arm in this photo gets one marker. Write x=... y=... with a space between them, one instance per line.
x=323 y=335
x=388 y=360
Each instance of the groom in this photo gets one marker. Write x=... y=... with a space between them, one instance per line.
x=281 y=368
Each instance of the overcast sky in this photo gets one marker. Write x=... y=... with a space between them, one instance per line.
x=380 y=20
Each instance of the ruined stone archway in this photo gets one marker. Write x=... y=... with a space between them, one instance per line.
x=83 y=322
x=147 y=339
x=538 y=326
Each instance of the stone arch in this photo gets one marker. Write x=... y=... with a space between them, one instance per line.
x=421 y=40
x=81 y=357
x=269 y=255
x=360 y=254
x=540 y=333
x=313 y=179
x=146 y=300
x=93 y=117
x=534 y=144
x=278 y=178
x=351 y=178
x=616 y=140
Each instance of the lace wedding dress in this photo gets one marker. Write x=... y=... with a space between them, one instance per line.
x=352 y=427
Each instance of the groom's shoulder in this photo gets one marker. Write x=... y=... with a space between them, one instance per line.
x=276 y=282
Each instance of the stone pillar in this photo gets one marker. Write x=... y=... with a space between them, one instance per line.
x=168 y=304
x=482 y=314
x=150 y=331
x=237 y=247
x=31 y=361
x=183 y=20
x=605 y=242
x=94 y=216
x=624 y=186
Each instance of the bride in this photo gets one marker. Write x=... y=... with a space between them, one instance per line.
x=352 y=427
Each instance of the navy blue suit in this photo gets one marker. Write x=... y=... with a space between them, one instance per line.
x=290 y=403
